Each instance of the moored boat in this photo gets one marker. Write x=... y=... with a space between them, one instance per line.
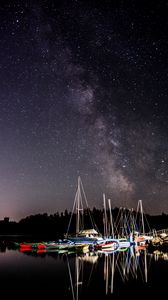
x=83 y=234
x=108 y=244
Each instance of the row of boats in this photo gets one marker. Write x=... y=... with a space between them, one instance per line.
x=84 y=244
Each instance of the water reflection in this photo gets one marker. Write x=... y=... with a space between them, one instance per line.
x=3 y=246
x=160 y=255
x=131 y=264
x=125 y=265
x=87 y=275
x=81 y=273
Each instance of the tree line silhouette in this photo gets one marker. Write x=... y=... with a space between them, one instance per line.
x=55 y=225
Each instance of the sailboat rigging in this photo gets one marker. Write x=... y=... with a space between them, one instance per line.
x=83 y=233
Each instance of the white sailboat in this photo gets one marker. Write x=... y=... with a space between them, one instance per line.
x=108 y=243
x=109 y=229
x=139 y=236
x=82 y=234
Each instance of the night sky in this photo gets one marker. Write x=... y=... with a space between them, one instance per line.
x=83 y=92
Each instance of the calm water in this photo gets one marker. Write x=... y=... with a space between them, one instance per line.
x=88 y=276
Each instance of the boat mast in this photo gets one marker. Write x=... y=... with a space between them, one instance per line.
x=111 y=219
x=139 y=206
x=79 y=207
x=105 y=216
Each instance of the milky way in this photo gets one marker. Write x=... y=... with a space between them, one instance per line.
x=83 y=92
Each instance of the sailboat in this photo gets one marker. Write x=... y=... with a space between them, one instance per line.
x=109 y=243
x=138 y=236
x=82 y=235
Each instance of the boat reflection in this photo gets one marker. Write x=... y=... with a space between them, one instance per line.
x=108 y=272
x=81 y=272
x=127 y=264
x=160 y=255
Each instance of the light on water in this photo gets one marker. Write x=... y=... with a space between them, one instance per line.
x=86 y=276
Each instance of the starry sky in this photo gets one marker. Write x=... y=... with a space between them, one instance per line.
x=83 y=92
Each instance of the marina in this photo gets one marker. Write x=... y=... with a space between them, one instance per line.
x=127 y=230
x=87 y=263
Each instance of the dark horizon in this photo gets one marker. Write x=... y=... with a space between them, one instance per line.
x=7 y=219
